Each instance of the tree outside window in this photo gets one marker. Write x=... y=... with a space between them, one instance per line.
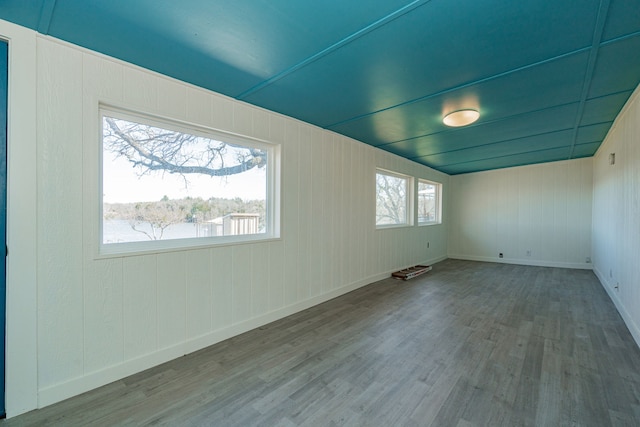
x=392 y=201
x=161 y=182
x=428 y=202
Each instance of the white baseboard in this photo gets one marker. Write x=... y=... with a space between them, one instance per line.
x=76 y=386
x=521 y=261
x=611 y=291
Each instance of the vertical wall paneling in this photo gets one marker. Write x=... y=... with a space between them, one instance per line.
x=241 y=264
x=327 y=177
x=199 y=106
x=60 y=249
x=140 y=296
x=368 y=211
x=102 y=79
x=276 y=275
x=290 y=219
x=353 y=248
x=101 y=318
x=140 y=90
x=171 y=297
x=357 y=245
x=305 y=195
x=222 y=297
x=316 y=212
x=260 y=276
x=560 y=215
x=222 y=116
x=520 y=211
x=199 y=295
x=261 y=125
x=242 y=119
x=616 y=214
x=341 y=212
x=103 y=314
x=172 y=99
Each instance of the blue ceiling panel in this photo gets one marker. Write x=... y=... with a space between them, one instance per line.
x=561 y=139
x=548 y=77
x=552 y=155
x=226 y=46
x=585 y=150
x=622 y=18
x=146 y=36
x=602 y=109
x=546 y=121
x=617 y=68
x=592 y=133
x=22 y=12
x=544 y=86
x=426 y=52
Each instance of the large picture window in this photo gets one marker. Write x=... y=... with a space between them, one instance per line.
x=393 y=201
x=429 y=206
x=167 y=185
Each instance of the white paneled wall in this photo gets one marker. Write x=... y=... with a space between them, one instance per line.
x=535 y=215
x=100 y=319
x=616 y=214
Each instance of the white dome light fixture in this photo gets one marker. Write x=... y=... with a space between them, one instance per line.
x=461 y=117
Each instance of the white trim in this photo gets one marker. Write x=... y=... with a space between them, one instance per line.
x=409 y=204
x=438 y=201
x=628 y=320
x=107 y=250
x=520 y=261
x=21 y=354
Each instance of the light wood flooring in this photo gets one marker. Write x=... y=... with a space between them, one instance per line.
x=468 y=344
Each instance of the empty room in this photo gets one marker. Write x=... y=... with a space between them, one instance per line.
x=204 y=204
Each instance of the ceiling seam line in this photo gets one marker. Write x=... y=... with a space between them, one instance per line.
x=337 y=45
x=498 y=157
x=504 y=157
x=620 y=38
x=620 y=92
x=492 y=143
x=513 y=139
x=481 y=124
x=462 y=86
x=46 y=14
x=415 y=159
x=593 y=55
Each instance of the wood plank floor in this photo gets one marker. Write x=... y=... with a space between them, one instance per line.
x=468 y=344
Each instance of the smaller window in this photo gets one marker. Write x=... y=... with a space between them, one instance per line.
x=429 y=206
x=393 y=201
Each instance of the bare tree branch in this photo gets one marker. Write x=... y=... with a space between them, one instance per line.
x=390 y=200
x=153 y=149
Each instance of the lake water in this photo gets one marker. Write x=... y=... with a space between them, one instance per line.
x=119 y=231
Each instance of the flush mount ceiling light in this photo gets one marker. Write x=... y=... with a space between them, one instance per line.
x=461 y=118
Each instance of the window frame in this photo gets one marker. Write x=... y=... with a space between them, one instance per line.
x=409 y=203
x=438 y=202
x=273 y=177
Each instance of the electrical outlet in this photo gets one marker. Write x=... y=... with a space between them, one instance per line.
x=588 y=260
x=500 y=255
x=529 y=252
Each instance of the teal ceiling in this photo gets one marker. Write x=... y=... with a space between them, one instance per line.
x=548 y=77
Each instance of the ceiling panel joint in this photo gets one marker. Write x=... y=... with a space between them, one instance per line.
x=328 y=50
x=593 y=56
